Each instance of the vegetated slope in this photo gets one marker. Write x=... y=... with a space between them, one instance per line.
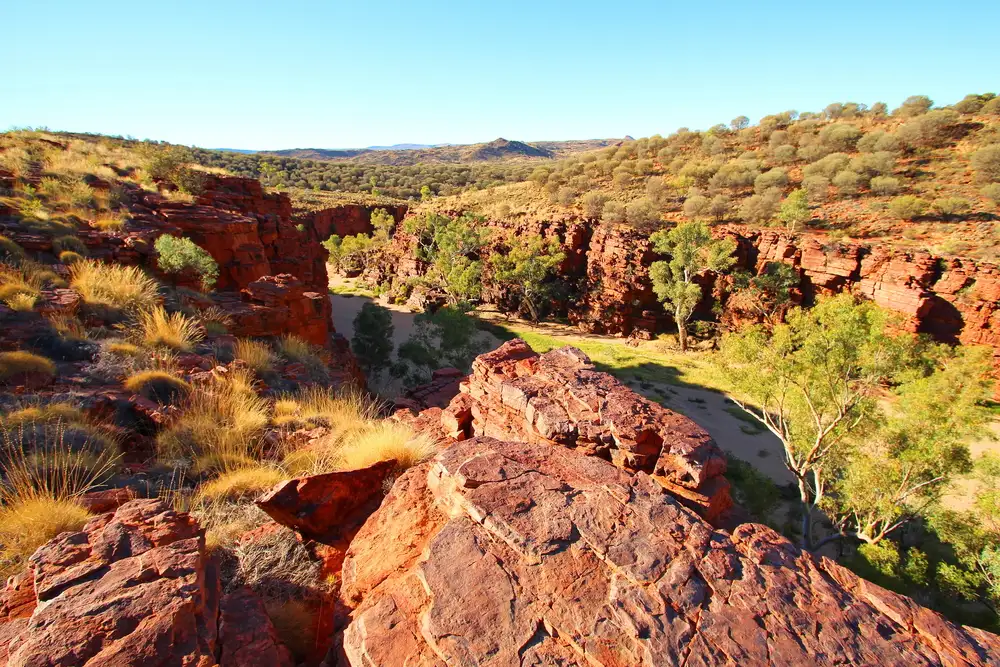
x=411 y=154
x=919 y=177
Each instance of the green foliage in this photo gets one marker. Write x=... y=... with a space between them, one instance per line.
x=816 y=187
x=760 y=209
x=794 y=211
x=913 y=106
x=815 y=382
x=372 y=340
x=992 y=191
x=692 y=252
x=383 y=224
x=753 y=490
x=452 y=247
x=174 y=255
x=775 y=178
x=884 y=185
x=446 y=338
x=986 y=162
x=767 y=294
x=593 y=204
x=524 y=273
x=349 y=255
x=907 y=207
x=9 y=250
x=847 y=183
x=951 y=207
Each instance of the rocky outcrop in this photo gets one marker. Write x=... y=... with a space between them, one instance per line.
x=345 y=219
x=134 y=587
x=500 y=553
x=559 y=399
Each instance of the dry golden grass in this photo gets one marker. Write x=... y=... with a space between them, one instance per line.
x=68 y=327
x=255 y=354
x=221 y=426
x=241 y=482
x=43 y=475
x=18 y=362
x=173 y=330
x=160 y=386
x=68 y=257
x=21 y=302
x=296 y=623
x=64 y=412
x=18 y=281
x=9 y=249
x=109 y=222
x=383 y=441
x=68 y=243
x=112 y=285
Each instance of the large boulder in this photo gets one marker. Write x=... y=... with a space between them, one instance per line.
x=501 y=553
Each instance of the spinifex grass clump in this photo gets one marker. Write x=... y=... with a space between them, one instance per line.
x=255 y=354
x=175 y=331
x=47 y=463
x=124 y=288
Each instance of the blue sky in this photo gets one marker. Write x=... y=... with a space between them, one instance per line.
x=267 y=75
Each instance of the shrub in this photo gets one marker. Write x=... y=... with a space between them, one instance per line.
x=175 y=255
x=775 y=178
x=840 y=136
x=847 y=183
x=992 y=191
x=9 y=250
x=784 y=154
x=642 y=213
x=760 y=209
x=241 y=482
x=109 y=222
x=124 y=287
x=68 y=243
x=794 y=210
x=828 y=166
x=884 y=185
x=929 y=130
x=593 y=204
x=614 y=213
x=878 y=140
x=991 y=108
x=160 y=386
x=372 y=341
x=913 y=106
x=720 y=206
x=817 y=187
x=69 y=257
x=907 y=207
x=173 y=330
x=950 y=207
x=255 y=354
x=986 y=162
x=696 y=206
x=18 y=363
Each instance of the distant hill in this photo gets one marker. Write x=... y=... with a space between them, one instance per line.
x=412 y=154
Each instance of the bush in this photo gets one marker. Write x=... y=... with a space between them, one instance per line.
x=775 y=178
x=593 y=204
x=760 y=209
x=951 y=207
x=614 y=213
x=877 y=141
x=929 y=130
x=991 y=108
x=848 y=183
x=696 y=206
x=124 y=287
x=173 y=330
x=907 y=207
x=841 y=137
x=9 y=250
x=255 y=354
x=817 y=187
x=884 y=185
x=642 y=213
x=20 y=363
x=720 y=206
x=784 y=154
x=913 y=106
x=992 y=191
x=21 y=302
x=986 y=162
x=68 y=243
x=160 y=386
x=827 y=166
x=794 y=210
x=175 y=255
x=372 y=340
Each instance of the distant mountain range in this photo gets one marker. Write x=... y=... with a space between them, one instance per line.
x=408 y=154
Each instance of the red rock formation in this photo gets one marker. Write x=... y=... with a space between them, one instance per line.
x=558 y=399
x=345 y=219
x=134 y=587
x=326 y=506
x=501 y=553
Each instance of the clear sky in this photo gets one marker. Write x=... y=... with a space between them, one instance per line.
x=284 y=74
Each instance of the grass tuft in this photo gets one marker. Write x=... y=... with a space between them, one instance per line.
x=21 y=302
x=383 y=441
x=13 y=364
x=255 y=354
x=112 y=285
x=160 y=386
x=174 y=330
x=241 y=482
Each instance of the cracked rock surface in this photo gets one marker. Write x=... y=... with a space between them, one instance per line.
x=499 y=553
